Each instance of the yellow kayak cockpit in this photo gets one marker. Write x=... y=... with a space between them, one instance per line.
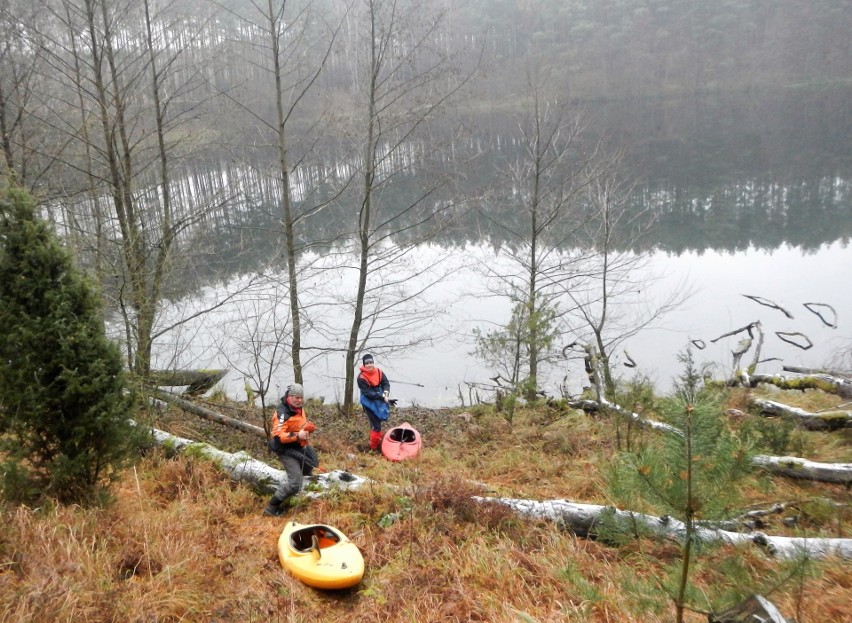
x=314 y=538
x=320 y=556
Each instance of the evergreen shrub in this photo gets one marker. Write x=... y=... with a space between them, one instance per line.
x=64 y=405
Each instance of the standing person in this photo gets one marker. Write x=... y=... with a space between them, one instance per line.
x=375 y=397
x=289 y=440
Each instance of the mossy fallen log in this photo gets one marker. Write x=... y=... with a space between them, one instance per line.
x=793 y=467
x=197 y=382
x=244 y=468
x=827 y=420
x=829 y=384
x=584 y=520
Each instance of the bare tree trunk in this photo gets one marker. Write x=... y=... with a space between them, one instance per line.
x=612 y=307
x=5 y=134
x=540 y=185
x=119 y=177
x=167 y=232
x=99 y=243
x=21 y=113
x=275 y=28
x=405 y=83
x=209 y=414
x=364 y=217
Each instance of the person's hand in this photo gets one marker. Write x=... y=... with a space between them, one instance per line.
x=310 y=427
x=303 y=435
x=385 y=396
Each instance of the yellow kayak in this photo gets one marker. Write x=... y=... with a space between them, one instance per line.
x=320 y=556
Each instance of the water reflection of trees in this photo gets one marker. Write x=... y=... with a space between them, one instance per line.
x=728 y=172
x=736 y=216
x=714 y=175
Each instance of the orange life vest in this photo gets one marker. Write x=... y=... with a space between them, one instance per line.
x=286 y=423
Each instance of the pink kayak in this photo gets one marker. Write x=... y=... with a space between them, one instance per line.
x=401 y=442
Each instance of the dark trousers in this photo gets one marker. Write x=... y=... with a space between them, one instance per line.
x=295 y=470
x=375 y=423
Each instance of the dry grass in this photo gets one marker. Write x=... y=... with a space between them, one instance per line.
x=183 y=543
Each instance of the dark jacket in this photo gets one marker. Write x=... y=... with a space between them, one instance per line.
x=372 y=396
x=373 y=391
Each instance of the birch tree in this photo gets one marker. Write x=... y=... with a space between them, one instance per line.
x=292 y=42
x=609 y=305
x=537 y=213
x=404 y=79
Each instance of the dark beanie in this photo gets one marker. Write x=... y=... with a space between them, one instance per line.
x=368 y=358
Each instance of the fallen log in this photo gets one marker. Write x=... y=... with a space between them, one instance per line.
x=638 y=419
x=582 y=519
x=754 y=609
x=754 y=518
x=796 y=467
x=828 y=420
x=838 y=373
x=208 y=413
x=243 y=468
x=829 y=384
x=196 y=381
x=790 y=466
x=593 y=406
x=595 y=374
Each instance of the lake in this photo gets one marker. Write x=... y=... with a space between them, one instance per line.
x=751 y=195
x=438 y=369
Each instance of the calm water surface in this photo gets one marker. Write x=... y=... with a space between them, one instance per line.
x=440 y=368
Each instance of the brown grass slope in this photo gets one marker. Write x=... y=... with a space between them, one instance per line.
x=183 y=543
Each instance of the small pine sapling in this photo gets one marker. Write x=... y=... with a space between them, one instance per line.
x=690 y=477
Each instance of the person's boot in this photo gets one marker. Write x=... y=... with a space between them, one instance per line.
x=375 y=441
x=275 y=507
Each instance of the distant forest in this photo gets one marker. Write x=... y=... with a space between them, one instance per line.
x=105 y=101
x=213 y=52
x=641 y=48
